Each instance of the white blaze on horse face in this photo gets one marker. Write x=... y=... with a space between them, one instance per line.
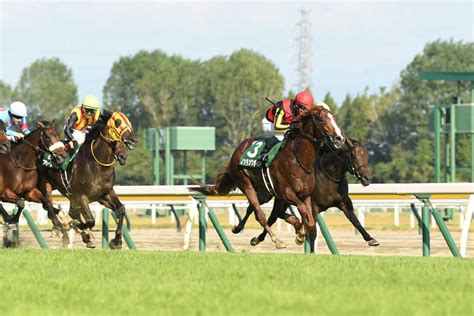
x=334 y=124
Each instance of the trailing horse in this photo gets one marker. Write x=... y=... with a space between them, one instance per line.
x=90 y=177
x=5 y=144
x=291 y=172
x=332 y=189
x=19 y=171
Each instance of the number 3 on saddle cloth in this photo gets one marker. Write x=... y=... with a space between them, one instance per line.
x=260 y=153
x=48 y=161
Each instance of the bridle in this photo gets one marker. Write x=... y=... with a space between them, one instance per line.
x=315 y=140
x=37 y=149
x=351 y=166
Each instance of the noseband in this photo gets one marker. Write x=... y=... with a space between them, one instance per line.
x=38 y=149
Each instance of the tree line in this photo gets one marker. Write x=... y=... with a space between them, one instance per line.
x=155 y=89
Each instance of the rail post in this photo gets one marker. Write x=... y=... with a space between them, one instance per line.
x=220 y=231
x=327 y=236
x=176 y=217
x=202 y=223
x=446 y=234
x=105 y=228
x=34 y=229
x=425 y=222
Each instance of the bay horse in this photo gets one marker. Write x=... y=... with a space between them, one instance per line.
x=91 y=175
x=19 y=171
x=5 y=144
x=332 y=189
x=291 y=171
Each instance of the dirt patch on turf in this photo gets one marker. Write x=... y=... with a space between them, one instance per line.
x=400 y=243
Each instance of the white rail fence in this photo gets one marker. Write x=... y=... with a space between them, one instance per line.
x=394 y=198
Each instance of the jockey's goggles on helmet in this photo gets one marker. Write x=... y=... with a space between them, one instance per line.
x=89 y=111
x=16 y=116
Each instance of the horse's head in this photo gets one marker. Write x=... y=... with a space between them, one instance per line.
x=120 y=131
x=121 y=153
x=359 y=162
x=50 y=141
x=5 y=144
x=320 y=123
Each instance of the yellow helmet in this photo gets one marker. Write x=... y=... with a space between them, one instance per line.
x=90 y=102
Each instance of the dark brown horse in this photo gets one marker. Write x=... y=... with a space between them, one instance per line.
x=291 y=172
x=5 y=144
x=19 y=171
x=332 y=189
x=91 y=175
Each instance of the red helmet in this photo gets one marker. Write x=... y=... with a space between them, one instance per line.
x=304 y=98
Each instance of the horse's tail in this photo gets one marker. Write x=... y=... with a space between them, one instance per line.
x=224 y=184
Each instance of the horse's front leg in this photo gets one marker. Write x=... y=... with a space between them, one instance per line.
x=112 y=201
x=346 y=206
x=37 y=196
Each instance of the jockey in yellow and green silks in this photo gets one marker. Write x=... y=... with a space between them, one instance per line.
x=79 y=120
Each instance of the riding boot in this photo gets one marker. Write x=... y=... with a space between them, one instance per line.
x=271 y=141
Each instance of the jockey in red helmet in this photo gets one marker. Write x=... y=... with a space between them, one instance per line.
x=278 y=117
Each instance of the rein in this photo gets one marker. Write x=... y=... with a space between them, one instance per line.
x=36 y=149
x=104 y=164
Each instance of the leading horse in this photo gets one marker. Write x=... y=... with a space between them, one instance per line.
x=332 y=189
x=291 y=172
x=91 y=175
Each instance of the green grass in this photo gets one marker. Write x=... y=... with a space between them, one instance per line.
x=84 y=282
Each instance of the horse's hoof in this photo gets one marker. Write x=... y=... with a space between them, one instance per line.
x=55 y=232
x=299 y=239
x=115 y=245
x=254 y=241
x=90 y=245
x=66 y=241
x=373 y=243
x=280 y=245
x=236 y=230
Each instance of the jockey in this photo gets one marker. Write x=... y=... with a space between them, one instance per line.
x=79 y=120
x=278 y=117
x=15 y=116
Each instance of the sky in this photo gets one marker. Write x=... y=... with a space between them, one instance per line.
x=354 y=44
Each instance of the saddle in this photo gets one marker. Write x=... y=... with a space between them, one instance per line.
x=261 y=153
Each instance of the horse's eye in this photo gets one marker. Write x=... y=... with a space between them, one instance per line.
x=322 y=119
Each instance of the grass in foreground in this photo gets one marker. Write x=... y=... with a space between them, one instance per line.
x=82 y=282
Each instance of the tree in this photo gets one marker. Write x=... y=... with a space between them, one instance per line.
x=138 y=170
x=154 y=89
x=329 y=100
x=48 y=89
x=407 y=123
x=6 y=94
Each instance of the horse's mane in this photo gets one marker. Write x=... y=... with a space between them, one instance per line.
x=97 y=126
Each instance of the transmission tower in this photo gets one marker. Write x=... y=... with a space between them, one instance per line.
x=304 y=54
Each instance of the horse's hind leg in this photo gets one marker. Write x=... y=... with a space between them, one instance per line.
x=260 y=215
x=238 y=228
x=348 y=209
x=278 y=211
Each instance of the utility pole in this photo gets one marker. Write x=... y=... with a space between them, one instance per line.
x=304 y=54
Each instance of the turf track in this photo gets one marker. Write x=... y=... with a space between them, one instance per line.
x=82 y=282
